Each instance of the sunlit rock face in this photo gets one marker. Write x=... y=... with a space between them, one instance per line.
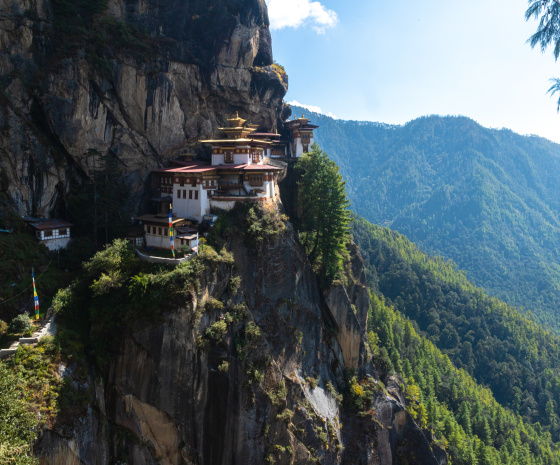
x=205 y=60
x=165 y=398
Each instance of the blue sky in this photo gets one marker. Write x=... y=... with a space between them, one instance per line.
x=395 y=61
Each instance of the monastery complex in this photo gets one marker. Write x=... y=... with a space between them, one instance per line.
x=238 y=171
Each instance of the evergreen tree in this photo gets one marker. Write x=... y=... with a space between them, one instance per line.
x=324 y=214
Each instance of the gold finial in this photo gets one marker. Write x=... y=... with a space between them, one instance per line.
x=237 y=114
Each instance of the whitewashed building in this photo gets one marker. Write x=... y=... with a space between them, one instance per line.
x=236 y=173
x=55 y=234
x=301 y=136
x=156 y=232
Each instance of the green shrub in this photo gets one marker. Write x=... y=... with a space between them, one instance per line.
x=213 y=304
x=278 y=396
x=234 y=284
x=16 y=422
x=217 y=330
x=3 y=328
x=285 y=416
x=224 y=367
x=254 y=374
x=20 y=324
x=322 y=435
x=312 y=382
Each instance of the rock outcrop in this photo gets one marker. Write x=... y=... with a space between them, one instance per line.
x=263 y=391
x=195 y=63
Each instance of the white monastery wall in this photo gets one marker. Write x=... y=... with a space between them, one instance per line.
x=56 y=244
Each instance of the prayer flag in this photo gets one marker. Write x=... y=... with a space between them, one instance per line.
x=35 y=297
x=171 y=229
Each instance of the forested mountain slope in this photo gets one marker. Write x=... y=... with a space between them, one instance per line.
x=488 y=199
x=515 y=358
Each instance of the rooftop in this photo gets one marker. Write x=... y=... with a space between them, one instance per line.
x=159 y=219
x=47 y=223
x=202 y=167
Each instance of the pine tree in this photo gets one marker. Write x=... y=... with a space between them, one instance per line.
x=324 y=214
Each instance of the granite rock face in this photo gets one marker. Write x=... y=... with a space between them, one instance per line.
x=168 y=398
x=209 y=59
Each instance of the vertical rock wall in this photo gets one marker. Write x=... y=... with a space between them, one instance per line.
x=208 y=60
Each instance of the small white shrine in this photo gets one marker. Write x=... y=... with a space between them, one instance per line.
x=54 y=233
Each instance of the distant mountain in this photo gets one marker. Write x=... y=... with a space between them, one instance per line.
x=487 y=199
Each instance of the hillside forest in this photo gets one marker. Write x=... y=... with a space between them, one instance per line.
x=487 y=199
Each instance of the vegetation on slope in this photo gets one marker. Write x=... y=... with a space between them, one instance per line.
x=16 y=421
x=19 y=253
x=485 y=198
x=464 y=417
x=497 y=346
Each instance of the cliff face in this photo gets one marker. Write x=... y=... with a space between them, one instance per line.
x=147 y=79
x=257 y=393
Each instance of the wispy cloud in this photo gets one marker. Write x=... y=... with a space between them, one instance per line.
x=295 y=13
x=313 y=108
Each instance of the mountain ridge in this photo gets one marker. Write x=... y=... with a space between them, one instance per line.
x=485 y=198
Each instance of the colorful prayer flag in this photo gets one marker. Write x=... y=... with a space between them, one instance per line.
x=35 y=296
x=171 y=229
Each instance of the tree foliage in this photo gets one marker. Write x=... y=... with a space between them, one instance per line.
x=547 y=13
x=514 y=357
x=324 y=218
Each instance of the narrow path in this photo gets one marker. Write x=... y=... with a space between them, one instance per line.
x=48 y=329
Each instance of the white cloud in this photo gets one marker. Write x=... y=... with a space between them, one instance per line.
x=295 y=13
x=313 y=108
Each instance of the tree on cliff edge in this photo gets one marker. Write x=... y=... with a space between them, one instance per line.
x=324 y=214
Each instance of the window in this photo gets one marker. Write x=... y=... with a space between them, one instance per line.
x=182 y=182
x=256 y=180
x=184 y=193
x=149 y=229
x=178 y=194
x=48 y=233
x=228 y=157
x=196 y=195
x=165 y=232
x=190 y=194
x=160 y=232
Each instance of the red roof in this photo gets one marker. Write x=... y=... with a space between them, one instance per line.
x=50 y=224
x=188 y=167
x=201 y=167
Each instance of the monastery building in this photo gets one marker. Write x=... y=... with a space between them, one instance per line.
x=237 y=172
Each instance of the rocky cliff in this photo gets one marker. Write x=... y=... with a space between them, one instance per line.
x=135 y=80
x=248 y=369
x=244 y=359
